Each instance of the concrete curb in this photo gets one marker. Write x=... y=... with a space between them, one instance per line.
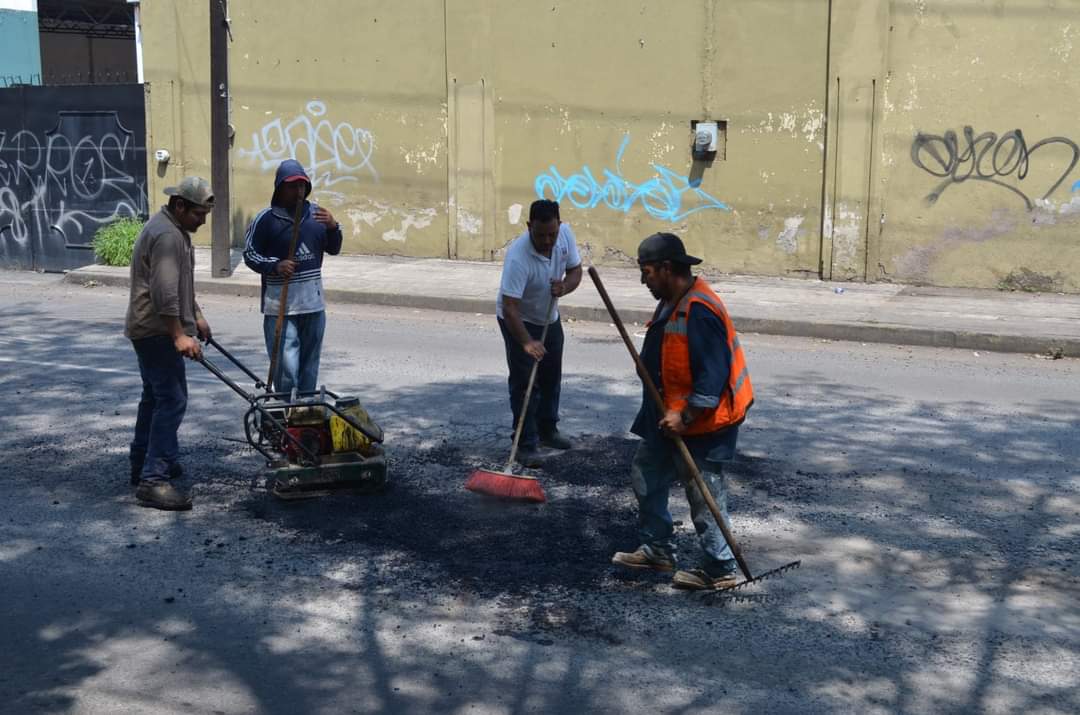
x=852 y=332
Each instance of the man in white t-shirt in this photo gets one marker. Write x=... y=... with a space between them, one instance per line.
x=541 y=265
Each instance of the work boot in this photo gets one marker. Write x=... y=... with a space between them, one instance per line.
x=159 y=494
x=529 y=457
x=644 y=558
x=723 y=574
x=174 y=471
x=555 y=440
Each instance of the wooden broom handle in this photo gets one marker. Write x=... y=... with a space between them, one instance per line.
x=650 y=387
x=528 y=392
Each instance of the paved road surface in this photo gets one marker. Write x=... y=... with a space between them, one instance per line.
x=932 y=496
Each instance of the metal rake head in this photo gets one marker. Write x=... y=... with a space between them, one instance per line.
x=714 y=598
x=727 y=594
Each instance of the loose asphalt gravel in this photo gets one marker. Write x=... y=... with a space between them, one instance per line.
x=931 y=495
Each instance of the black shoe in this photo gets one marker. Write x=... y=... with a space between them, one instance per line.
x=555 y=440
x=529 y=457
x=175 y=471
x=159 y=494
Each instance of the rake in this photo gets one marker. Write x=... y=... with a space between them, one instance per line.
x=691 y=466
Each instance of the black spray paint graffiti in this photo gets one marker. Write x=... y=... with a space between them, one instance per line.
x=985 y=157
x=50 y=182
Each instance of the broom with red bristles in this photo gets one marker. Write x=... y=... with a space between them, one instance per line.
x=506 y=484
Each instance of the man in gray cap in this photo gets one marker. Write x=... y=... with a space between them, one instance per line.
x=693 y=355
x=162 y=322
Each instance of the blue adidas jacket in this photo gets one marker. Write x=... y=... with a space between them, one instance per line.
x=267 y=242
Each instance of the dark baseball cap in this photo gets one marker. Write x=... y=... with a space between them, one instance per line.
x=664 y=247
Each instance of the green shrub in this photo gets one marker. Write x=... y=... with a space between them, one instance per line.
x=113 y=243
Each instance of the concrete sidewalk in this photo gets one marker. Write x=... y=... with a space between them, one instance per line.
x=1046 y=324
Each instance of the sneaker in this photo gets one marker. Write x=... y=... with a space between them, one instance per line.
x=644 y=559
x=555 y=440
x=701 y=580
x=175 y=471
x=159 y=494
x=529 y=457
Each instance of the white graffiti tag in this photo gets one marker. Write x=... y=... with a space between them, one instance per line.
x=53 y=183
x=331 y=153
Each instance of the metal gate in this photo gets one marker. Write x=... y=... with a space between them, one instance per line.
x=72 y=159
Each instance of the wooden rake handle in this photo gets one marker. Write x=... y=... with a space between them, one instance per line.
x=650 y=387
x=271 y=378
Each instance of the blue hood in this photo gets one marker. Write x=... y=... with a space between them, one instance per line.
x=291 y=167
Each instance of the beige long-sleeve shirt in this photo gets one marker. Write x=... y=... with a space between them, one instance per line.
x=162 y=279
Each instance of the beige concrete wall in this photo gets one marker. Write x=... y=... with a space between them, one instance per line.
x=592 y=104
x=356 y=91
x=430 y=126
x=176 y=51
x=978 y=153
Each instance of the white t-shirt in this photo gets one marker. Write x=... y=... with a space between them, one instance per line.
x=527 y=275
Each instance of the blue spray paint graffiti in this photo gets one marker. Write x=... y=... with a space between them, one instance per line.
x=660 y=196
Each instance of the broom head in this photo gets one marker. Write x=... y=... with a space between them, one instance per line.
x=506 y=486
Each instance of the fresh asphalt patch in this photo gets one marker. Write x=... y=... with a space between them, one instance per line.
x=432 y=532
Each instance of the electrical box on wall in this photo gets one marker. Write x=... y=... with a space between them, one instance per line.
x=709 y=139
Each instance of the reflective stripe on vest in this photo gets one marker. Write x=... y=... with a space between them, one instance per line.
x=675 y=373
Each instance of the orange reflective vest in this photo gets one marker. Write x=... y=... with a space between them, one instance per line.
x=678 y=382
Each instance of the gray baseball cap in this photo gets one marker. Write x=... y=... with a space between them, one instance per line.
x=194 y=189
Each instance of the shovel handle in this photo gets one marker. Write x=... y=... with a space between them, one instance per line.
x=650 y=387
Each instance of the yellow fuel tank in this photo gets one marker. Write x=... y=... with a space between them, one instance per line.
x=347 y=438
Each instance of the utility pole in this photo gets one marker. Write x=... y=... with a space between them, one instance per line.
x=220 y=237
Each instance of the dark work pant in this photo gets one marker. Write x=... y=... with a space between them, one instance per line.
x=162 y=406
x=543 y=411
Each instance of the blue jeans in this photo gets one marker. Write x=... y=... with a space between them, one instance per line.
x=301 y=346
x=656 y=465
x=542 y=413
x=161 y=407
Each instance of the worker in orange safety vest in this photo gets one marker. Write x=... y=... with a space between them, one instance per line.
x=693 y=355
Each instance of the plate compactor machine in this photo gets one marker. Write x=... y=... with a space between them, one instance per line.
x=315 y=443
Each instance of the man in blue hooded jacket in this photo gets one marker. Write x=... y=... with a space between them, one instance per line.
x=266 y=251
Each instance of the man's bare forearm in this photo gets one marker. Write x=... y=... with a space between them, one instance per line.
x=176 y=329
x=514 y=322
x=573 y=279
